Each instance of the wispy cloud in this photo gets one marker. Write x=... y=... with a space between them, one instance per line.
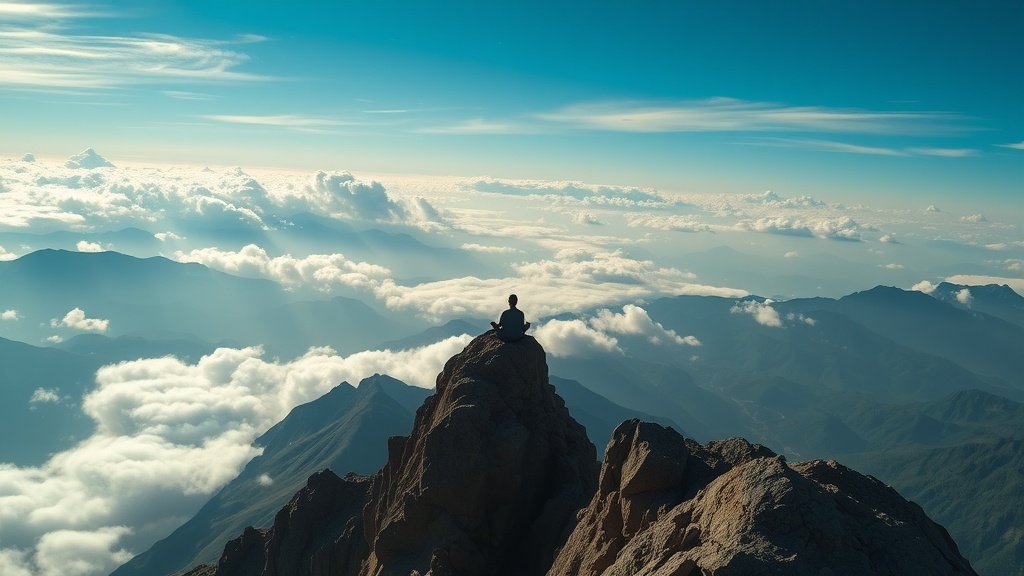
x=15 y=11
x=945 y=152
x=1014 y=145
x=733 y=115
x=291 y=121
x=180 y=95
x=827 y=146
x=720 y=115
x=482 y=126
x=40 y=50
x=845 y=147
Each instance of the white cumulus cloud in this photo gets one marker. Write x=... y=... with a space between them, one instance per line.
x=799 y=317
x=671 y=222
x=924 y=286
x=322 y=271
x=842 y=228
x=587 y=337
x=586 y=218
x=762 y=312
x=564 y=338
x=84 y=246
x=76 y=320
x=635 y=320
x=489 y=249
x=45 y=396
x=341 y=192
x=572 y=281
x=168 y=434
x=10 y=315
x=964 y=297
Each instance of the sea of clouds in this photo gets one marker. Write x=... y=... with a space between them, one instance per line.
x=169 y=433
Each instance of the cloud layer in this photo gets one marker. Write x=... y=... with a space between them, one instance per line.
x=589 y=337
x=168 y=434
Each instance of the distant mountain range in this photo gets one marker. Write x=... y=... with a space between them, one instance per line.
x=915 y=388
x=496 y=477
x=161 y=299
x=346 y=430
x=343 y=430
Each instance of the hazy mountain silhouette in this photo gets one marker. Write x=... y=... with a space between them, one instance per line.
x=34 y=430
x=163 y=299
x=133 y=241
x=996 y=300
x=106 y=350
x=344 y=430
x=495 y=476
x=135 y=294
x=596 y=413
x=434 y=334
x=981 y=343
x=407 y=256
x=972 y=482
x=344 y=324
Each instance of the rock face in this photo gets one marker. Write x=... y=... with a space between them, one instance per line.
x=495 y=478
x=488 y=482
x=668 y=506
x=491 y=478
x=310 y=534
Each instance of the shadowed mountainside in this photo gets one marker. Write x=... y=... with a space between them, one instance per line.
x=492 y=476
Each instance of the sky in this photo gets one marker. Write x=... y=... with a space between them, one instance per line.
x=589 y=156
x=914 y=101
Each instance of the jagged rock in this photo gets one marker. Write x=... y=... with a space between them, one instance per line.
x=310 y=534
x=491 y=477
x=488 y=482
x=245 y=555
x=495 y=477
x=735 y=508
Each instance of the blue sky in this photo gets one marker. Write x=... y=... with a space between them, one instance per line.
x=900 y=103
x=586 y=155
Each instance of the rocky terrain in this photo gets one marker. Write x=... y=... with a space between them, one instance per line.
x=496 y=477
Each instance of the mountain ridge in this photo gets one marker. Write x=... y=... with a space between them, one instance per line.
x=465 y=493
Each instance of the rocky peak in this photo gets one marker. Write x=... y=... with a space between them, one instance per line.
x=492 y=475
x=496 y=475
x=668 y=506
x=488 y=482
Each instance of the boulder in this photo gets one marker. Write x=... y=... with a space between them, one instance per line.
x=668 y=506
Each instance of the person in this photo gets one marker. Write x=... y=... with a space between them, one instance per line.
x=512 y=325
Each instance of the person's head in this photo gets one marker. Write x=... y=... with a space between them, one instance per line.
x=513 y=300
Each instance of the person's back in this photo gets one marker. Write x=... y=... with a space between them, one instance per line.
x=512 y=325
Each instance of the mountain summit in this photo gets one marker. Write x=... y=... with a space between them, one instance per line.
x=496 y=475
x=88 y=159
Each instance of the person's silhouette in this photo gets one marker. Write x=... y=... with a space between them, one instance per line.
x=512 y=325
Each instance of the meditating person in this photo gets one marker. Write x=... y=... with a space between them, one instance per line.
x=512 y=325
